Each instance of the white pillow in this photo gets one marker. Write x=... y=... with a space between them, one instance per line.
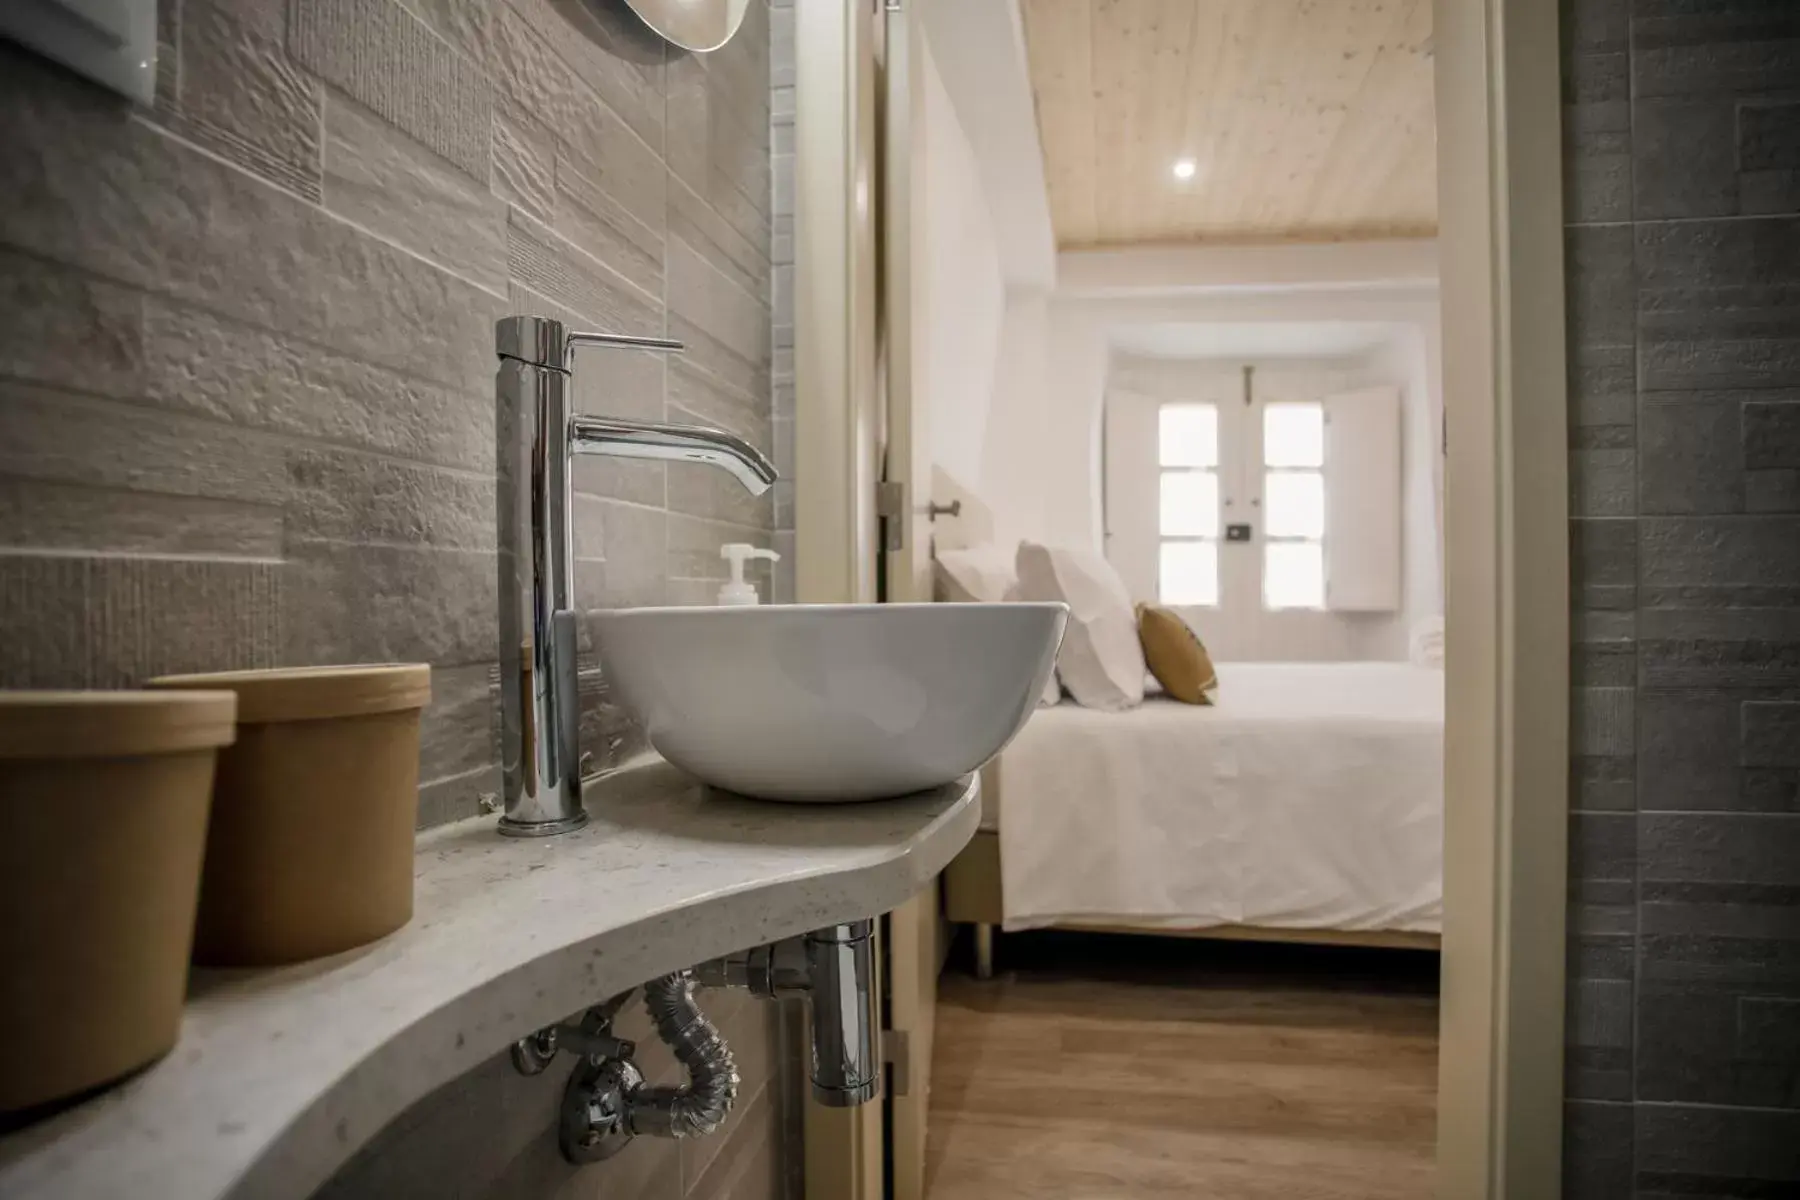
x=1102 y=662
x=1052 y=694
x=977 y=575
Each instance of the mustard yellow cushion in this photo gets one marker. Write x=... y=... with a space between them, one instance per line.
x=1176 y=655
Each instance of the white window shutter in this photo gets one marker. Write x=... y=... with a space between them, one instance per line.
x=1362 y=501
x=1133 y=521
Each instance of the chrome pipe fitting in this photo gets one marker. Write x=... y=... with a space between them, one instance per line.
x=834 y=969
x=846 y=1051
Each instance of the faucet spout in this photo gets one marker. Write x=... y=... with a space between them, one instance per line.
x=674 y=443
x=537 y=435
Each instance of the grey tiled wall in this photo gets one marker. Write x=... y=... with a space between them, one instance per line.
x=246 y=363
x=1683 y=201
x=246 y=414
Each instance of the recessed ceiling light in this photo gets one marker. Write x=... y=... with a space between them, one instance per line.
x=1185 y=168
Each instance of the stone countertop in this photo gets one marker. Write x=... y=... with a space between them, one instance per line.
x=281 y=1074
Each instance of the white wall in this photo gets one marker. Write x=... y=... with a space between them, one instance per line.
x=959 y=281
x=1081 y=335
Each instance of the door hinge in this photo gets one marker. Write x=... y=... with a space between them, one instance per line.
x=890 y=507
x=896 y=1045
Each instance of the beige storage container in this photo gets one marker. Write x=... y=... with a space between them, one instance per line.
x=103 y=800
x=310 y=850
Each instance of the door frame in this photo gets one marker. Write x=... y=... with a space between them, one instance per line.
x=1506 y=561
x=1500 y=1083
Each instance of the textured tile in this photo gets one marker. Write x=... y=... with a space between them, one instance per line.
x=701 y=491
x=1717 y=47
x=459 y=731
x=1604 y=721
x=609 y=197
x=1597 y=163
x=1689 y=747
x=611 y=52
x=524 y=159
x=1768 y=146
x=699 y=226
x=1771 y=734
x=1696 y=1151
x=69 y=329
x=100 y=622
x=1740 y=850
x=1598 y=1022
x=122 y=199
x=48 y=516
x=1721 y=551
x=337 y=496
x=241 y=96
x=1603 y=563
x=1603 y=846
x=631 y=569
x=1603 y=483
x=1719 y=304
x=1684 y=157
x=1599 y=263
x=1597 y=1151
x=394 y=187
x=356 y=603
x=466 y=24
x=388 y=59
x=1709 y=1047
x=1690 y=454
x=54 y=437
x=211 y=366
x=548 y=264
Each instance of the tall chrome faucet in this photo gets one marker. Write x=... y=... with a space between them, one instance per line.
x=537 y=433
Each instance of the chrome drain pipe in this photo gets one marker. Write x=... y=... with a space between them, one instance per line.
x=607 y=1102
x=834 y=970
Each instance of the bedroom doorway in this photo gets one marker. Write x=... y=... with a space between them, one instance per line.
x=1504 y=520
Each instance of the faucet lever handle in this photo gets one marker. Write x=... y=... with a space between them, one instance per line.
x=618 y=341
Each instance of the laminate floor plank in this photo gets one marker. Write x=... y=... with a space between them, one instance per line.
x=1102 y=1067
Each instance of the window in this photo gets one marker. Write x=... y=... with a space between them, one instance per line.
x=1293 y=506
x=1188 y=454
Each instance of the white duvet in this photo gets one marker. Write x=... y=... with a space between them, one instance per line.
x=1310 y=797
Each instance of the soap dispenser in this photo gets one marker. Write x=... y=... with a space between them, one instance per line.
x=738 y=592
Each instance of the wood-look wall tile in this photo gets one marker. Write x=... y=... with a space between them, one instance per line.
x=242 y=96
x=395 y=187
x=69 y=329
x=387 y=58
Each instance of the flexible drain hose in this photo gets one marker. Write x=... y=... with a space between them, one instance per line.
x=702 y=1104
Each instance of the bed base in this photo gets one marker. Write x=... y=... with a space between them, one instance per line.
x=972 y=896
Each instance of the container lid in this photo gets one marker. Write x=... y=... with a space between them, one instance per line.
x=44 y=725
x=316 y=693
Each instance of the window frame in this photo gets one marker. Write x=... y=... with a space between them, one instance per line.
x=1215 y=540
x=1264 y=470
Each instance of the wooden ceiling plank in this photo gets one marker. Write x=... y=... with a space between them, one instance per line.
x=1308 y=119
x=1057 y=45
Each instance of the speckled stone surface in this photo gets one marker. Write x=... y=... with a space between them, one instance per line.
x=280 y=1075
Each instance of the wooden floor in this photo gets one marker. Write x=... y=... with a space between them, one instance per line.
x=1108 y=1068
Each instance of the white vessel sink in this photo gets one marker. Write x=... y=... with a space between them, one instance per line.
x=831 y=702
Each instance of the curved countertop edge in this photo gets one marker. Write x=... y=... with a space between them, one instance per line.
x=282 y=1074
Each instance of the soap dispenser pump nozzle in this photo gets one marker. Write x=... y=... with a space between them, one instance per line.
x=737 y=591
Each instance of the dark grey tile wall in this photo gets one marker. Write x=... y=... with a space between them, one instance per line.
x=1682 y=141
x=246 y=415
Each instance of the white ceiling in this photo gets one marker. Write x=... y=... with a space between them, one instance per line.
x=1260 y=340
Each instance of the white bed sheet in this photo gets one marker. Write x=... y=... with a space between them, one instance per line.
x=1310 y=797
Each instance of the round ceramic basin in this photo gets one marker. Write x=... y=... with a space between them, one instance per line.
x=831 y=702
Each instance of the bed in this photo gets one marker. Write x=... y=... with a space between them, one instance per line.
x=1307 y=805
